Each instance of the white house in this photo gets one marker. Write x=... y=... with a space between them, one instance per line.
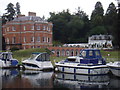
x=100 y=41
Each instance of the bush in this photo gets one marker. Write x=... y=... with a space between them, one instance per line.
x=14 y=49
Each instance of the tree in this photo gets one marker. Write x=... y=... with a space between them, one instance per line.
x=97 y=15
x=10 y=12
x=18 y=8
x=69 y=28
x=9 y=15
x=98 y=30
x=4 y=19
x=111 y=22
x=97 y=20
x=111 y=18
x=60 y=21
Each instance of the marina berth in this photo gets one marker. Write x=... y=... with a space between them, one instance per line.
x=89 y=62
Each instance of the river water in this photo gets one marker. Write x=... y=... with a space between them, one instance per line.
x=38 y=79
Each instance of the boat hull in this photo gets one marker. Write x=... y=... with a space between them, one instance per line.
x=115 y=71
x=88 y=70
x=38 y=65
x=38 y=68
x=4 y=64
x=114 y=68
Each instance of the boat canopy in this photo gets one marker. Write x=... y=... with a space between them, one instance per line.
x=6 y=56
x=90 y=53
x=91 y=56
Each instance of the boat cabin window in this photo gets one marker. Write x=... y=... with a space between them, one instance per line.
x=1 y=56
x=97 y=53
x=90 y=53
x=83 y=53
x=118 y=63
x=43 y=57
x=4 y=56
x=71 y=59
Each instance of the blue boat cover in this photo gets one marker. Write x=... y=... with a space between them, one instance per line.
x=14 y=62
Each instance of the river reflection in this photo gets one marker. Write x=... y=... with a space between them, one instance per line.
x=81 y=81
x=39 y=79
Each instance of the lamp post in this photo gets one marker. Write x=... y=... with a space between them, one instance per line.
x=0 y=33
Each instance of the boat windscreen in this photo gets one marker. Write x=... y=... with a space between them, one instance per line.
x=32 y=56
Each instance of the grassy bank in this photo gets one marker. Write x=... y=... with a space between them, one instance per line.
x=111 y=55
x=23 y=54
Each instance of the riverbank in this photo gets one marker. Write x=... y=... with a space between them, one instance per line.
x=109 y=55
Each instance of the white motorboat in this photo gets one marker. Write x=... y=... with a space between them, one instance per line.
x=115 y=68
x=89 y=62
x=7 y=61
x=38 y=61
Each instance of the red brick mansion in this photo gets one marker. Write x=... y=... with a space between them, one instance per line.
x=28 y=32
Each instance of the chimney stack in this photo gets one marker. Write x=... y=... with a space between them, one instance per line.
x=21 y=15
x=31 y=14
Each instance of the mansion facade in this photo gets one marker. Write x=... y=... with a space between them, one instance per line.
x=27 y=32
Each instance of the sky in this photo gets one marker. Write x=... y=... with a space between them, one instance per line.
x=43 y=7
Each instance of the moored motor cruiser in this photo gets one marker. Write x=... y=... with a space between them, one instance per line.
x=89 y=62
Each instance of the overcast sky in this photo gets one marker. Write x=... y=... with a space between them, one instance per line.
x=43 y=7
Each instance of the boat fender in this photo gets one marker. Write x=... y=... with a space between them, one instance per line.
x=21 y=67
x=56 y=69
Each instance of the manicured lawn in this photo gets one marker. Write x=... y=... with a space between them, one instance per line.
x=111 y=56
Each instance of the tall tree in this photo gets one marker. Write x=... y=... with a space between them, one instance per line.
x=83 y=17
x=111 y=18
x=111 y=21
x=18 y=8
x=97 y=15
x=10 y=11
x=60 y=21
x=97 y=19
x=10 y=14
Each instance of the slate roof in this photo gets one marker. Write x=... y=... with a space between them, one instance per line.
x=101 y=37
x=29 y=18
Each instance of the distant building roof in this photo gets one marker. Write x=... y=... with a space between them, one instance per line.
x=101 y=37
x=31 y=17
